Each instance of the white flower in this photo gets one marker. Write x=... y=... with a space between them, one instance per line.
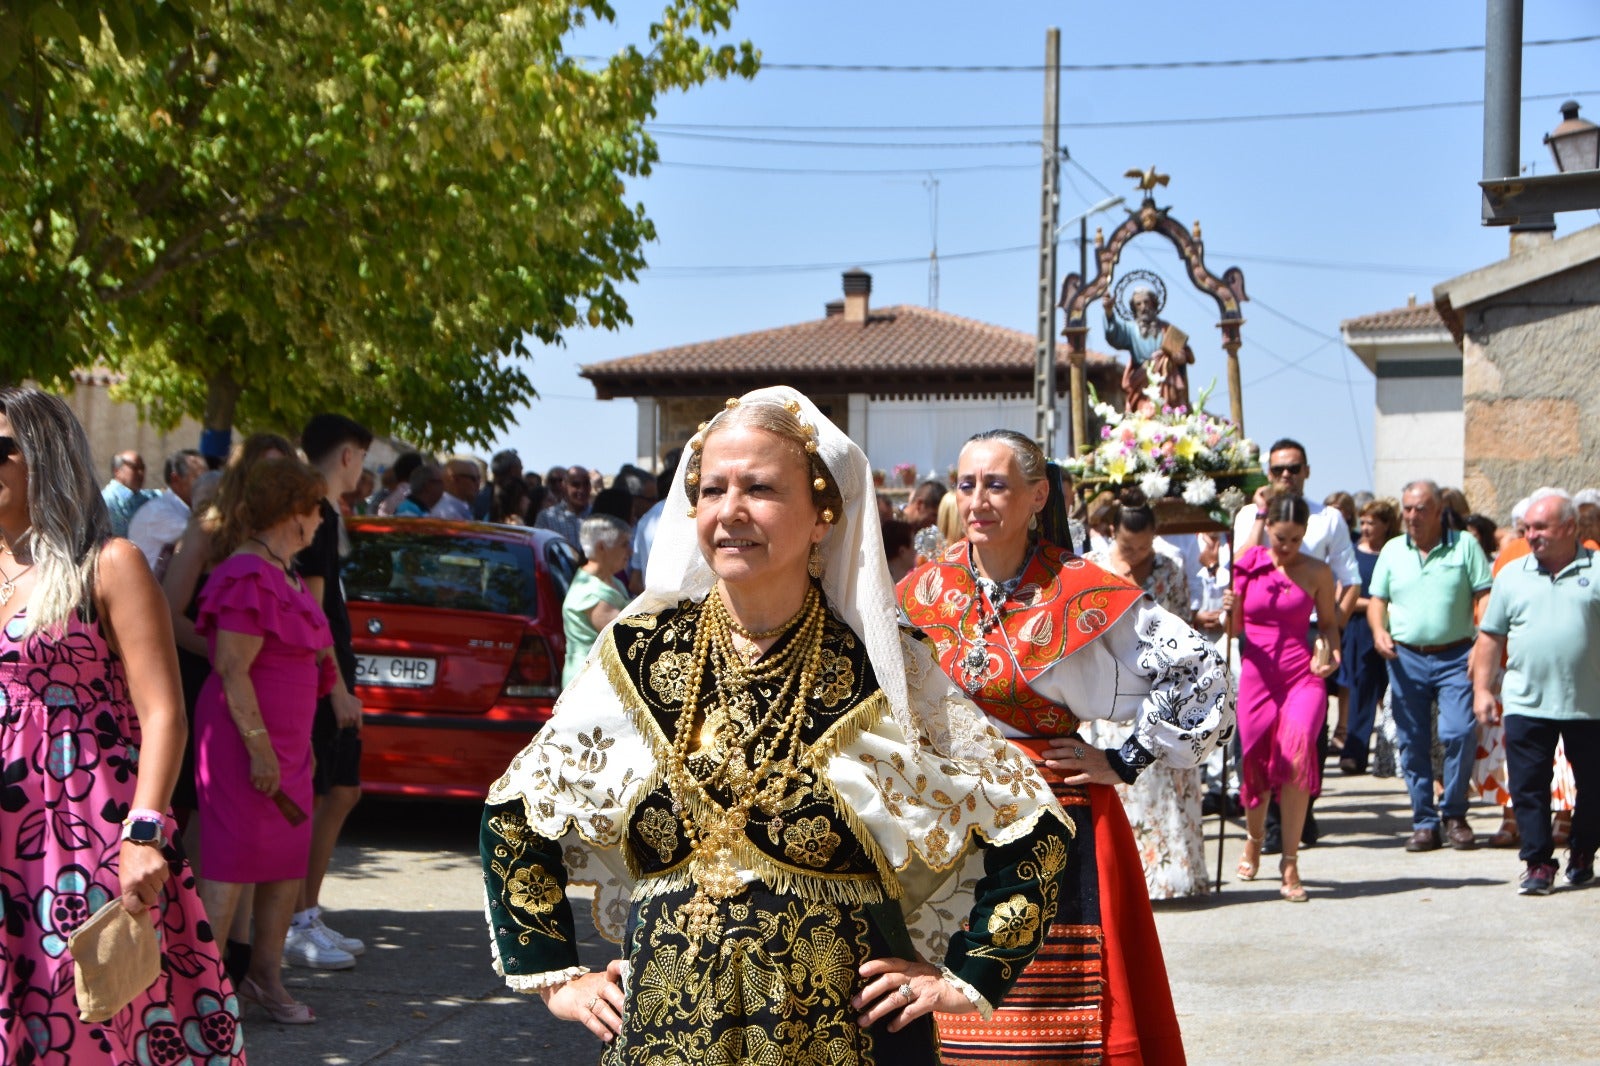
x=1200 y=491
x=1155 y=485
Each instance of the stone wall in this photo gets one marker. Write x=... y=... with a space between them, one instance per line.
x=114 y=426
x=1531 y=389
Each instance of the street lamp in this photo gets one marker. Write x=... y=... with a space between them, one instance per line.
x=1575 y=143
x=1103 y=205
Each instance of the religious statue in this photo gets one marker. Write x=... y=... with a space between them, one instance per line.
x=1157 y=374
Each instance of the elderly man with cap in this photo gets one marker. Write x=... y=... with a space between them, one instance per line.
x=1544 y=618
x=461 y=480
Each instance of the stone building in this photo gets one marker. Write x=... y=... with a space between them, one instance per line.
x=1528 y=328
x=1417 y=427
x=908 y=384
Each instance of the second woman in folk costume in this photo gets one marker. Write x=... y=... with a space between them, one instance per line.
x=774 y=788
x=1045 y=641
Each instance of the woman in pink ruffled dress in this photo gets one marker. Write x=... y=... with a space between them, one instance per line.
x=271 y=658
x=91 y=734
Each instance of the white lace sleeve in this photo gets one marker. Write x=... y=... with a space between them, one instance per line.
x=1188 y=707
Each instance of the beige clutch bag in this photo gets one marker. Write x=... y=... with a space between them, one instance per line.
x=116 y=958
x=1322 y=654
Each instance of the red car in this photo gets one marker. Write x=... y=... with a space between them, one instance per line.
x=458 y=636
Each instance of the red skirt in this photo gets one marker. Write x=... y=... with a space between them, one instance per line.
x=1097 y=992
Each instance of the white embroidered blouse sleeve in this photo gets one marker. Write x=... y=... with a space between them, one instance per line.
x=1187 y=704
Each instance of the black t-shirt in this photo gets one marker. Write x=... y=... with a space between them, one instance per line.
x=322 y=560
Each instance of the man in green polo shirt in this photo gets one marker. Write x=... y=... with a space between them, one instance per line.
x=1424 y=588
x=1544 y=616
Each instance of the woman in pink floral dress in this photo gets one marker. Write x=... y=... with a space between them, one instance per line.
x=91 y=733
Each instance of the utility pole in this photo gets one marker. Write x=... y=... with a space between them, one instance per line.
x=1044 y=371
x=932 y=185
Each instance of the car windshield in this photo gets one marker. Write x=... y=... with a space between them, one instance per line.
x=463 y=573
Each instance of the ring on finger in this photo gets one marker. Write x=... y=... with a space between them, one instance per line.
x=1077 y=752
x=592 y=1001
x=904 y=991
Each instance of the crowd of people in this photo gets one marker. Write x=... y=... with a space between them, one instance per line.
x=916 y=772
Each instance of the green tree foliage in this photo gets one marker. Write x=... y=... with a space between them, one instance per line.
x=342 y=205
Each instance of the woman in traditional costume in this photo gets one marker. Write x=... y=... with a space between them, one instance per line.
x=1045 y=641
x=777 y=794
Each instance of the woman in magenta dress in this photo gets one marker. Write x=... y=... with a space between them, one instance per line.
x=271 y=658
x=1283 y=705
x=91 y=734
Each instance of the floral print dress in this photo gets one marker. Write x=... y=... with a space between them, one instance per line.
x=69 y=755
x=1164 y=803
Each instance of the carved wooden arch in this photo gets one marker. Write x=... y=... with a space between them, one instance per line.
x=1227 y=290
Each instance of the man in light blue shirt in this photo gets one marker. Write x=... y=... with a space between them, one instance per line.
x=1544 y=617
x=125 y=493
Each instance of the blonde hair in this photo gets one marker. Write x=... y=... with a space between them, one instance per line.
x=778 y=420
x=69 y=520
x=950 y=525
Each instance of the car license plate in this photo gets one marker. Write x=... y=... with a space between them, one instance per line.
x=395 y=671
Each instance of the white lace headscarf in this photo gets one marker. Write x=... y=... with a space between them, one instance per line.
x=855 y=578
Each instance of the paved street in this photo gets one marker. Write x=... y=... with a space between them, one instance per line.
x=1397 y=958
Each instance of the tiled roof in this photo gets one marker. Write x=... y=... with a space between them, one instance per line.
x=1399 y=320
x=901 y=350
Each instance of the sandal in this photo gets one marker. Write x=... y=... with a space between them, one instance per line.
x=1561 y=829
x=284 y=1012
x=1507 y=836
x=1291 y=889
x=1248 y=865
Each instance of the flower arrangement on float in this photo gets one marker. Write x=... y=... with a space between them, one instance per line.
x=1169 y=452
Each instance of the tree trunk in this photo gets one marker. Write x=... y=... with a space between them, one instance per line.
x=222 y=395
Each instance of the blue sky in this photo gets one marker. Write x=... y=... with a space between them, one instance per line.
x=1329 y=218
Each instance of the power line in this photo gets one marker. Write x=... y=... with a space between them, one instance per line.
x=811 y=142
x=799 y=268
x=1329 y=264
x=1194 y=120
x=737 y=269
x=843 y=171
x=1179 y=64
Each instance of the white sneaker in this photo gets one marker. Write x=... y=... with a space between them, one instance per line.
x=310 y=946
x=351 y=944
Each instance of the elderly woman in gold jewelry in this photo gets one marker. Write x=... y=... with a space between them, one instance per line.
x=803 y=835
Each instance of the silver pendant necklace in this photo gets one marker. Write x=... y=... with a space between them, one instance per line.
x=8 y=587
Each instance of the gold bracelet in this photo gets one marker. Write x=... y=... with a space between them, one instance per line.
x=258 y=732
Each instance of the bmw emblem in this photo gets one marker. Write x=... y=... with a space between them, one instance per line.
x=1583 y=582
x=374 y=626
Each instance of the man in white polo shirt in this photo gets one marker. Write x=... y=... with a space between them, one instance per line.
x=1544 y=614
x=1328 y=539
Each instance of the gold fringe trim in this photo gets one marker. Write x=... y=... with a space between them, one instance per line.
x=855 y=889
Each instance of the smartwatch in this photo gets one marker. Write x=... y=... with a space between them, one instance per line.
x=145 y=830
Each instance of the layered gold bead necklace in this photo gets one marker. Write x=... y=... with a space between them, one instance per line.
x=755 y=760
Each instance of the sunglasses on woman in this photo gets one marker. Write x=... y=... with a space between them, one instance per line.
x=8 y=448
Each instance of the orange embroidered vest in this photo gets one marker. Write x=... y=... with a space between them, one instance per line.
x=1063 y=603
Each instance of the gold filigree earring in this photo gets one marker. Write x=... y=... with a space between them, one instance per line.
x=814 y=563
